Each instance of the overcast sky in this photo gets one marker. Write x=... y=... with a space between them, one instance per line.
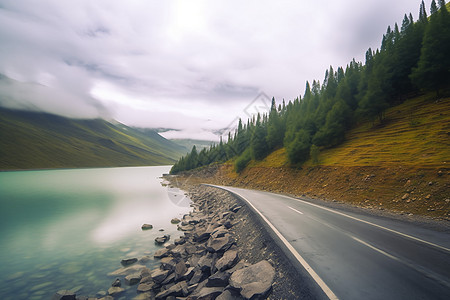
x=190 y=65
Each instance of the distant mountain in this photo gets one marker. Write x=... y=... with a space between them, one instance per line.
x=31 y=140
x=188 y=143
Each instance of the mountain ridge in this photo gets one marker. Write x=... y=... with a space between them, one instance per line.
x=35 y=140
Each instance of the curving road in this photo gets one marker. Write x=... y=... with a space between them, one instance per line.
x=352 y=256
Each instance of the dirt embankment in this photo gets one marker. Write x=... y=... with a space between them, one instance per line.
x=400 y=189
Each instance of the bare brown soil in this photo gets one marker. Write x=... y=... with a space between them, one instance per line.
x=402 y=190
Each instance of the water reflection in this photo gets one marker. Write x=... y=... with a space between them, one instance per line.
x=76 y=222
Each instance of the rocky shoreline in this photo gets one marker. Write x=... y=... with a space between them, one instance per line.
x=223 y=254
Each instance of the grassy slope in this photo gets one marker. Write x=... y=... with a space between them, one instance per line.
x=402 y=165
x=31 y=140
x=415 y=133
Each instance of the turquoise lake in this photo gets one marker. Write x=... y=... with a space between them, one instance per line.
x=66 y=229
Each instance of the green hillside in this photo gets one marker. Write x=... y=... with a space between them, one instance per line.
x=30 y=140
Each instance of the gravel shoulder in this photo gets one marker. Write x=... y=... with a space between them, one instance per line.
x=254 y=244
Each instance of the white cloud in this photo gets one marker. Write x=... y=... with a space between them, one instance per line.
x=156 y=63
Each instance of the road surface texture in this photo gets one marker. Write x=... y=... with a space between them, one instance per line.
x=355 y=256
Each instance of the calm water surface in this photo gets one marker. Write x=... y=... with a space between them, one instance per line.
x=66 y=229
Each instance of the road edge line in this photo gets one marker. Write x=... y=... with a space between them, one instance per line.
x=328 y=292
x=370 y=223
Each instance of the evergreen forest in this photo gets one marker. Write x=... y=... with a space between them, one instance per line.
x=414 y=57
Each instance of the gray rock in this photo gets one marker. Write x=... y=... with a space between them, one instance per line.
x=147 y=286
x=209 y=293
x=179 y=289
x=225 y=214
x=169 y=279
x=219 y=244
x=175 y=221
x=127 y=270
x=219 y=232
x=162 y=239
x=150 y=295
x=64 y=295
x=116 y=283
x=229 y=295
x=179 y=251
x=159 y=275
x=180 y=269
x=128 y=261
x=255 y=280
x=218 y=279
x=146 y=278
x=180 y=241
x=197 y=277
x=205 y=263
x=145 y=259
x=161 y=253
x=168 y=263
x=228 y=260
x=115 y=290
x=146 y=227
x=235 y=208
x=187 y=227
x=189 y=273
x=201 y=235
x=228 y=224
x=133 y=279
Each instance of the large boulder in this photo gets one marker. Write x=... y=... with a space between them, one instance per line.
x=219 y=244
x=228 y=260
x=254 y=280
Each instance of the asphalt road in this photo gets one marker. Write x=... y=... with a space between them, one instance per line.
x=355 y=256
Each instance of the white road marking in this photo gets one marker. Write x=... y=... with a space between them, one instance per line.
x=297 y=211
x=314 y=275
x=374 y=248
x=370 y=223
x=297 y=255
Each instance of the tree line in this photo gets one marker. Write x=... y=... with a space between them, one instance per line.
x=413 y=57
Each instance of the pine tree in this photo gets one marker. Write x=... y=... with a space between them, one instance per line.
x=423 y=13
x=433 y=9
x=258 y=142
x=433 y=69
x=298 y=149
